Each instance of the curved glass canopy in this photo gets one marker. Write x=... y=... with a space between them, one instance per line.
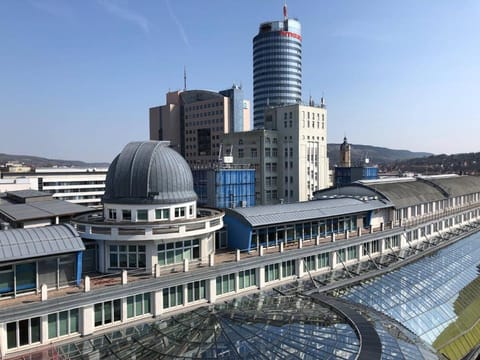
x=262 y=326
x=433 y=303
x=437 y=297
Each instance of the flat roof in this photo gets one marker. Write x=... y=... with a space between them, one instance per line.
x=25 y=194
x=307 y=210
x=19 y=244
x=41 y=209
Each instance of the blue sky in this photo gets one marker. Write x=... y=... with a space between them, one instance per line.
x=77 y=77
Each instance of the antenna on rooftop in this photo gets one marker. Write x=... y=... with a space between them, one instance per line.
x=285 y=15
x=184 y=78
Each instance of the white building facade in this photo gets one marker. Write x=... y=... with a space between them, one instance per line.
x=289 y=155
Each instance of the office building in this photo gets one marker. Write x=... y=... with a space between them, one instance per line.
x=83 y=186
x=195 y=120
x=290 y=155
x=229 y=186
x=257 y=149
x=277 y=66
x=15 y=184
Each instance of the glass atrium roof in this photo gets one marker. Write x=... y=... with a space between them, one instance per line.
x=437 y=297
x=426 y=306
x=264 y=326
x=260 y=326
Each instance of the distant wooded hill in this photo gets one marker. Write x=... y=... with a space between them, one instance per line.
x=376 y=155
x=36 y=161
x=388 y=160
x=466 y=163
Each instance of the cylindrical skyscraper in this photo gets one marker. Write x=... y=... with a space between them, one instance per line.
x=277 y=66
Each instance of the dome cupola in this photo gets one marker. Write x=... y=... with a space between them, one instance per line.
x=149 y=172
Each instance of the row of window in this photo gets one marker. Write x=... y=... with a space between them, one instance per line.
x=271 y=167
x=271 y=152
x=72 y=183
x=25 y=332
x=173 y=296
x=431 y=207
x=142 y=214
x=23 y=277
x=203 y=106
x=28 y=331
x=271 y=236
x=127 y=256
x=175 y=253
x=109 y=312
x=83 y=190
x=134 y=256
x=204 y=114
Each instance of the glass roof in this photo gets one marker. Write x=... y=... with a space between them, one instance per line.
x=436 y=298
x=263 y=326
x=430 y=295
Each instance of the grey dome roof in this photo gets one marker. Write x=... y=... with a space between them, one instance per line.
x=149 y=172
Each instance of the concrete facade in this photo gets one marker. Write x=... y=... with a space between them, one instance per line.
x=290 y=155
x=195 y=120
x=83 y=186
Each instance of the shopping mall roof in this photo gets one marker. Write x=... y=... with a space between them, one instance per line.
x=307 y=210
x=409 y=191
x=40 y=209
x=17 y=244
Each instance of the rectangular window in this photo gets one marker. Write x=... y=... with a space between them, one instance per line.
x=138 y=305
x=172 y=296
x=309 y=263
x=247 y=278
x=23 y=332
x=162 y=214
x=131 y=256
x=221 y=239
x=142 y=215
x=6 y=279
x=112 y=214
x=12 y=335
x=225 y=284
x=107 y=312
x=179 y=212
x=352 y=252
x=288 y=268
x=196 y=290
x=26 y=279
x=173 y=253
x=126 y=215
x=272 y=272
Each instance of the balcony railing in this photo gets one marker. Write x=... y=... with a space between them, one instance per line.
x=95 y=223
